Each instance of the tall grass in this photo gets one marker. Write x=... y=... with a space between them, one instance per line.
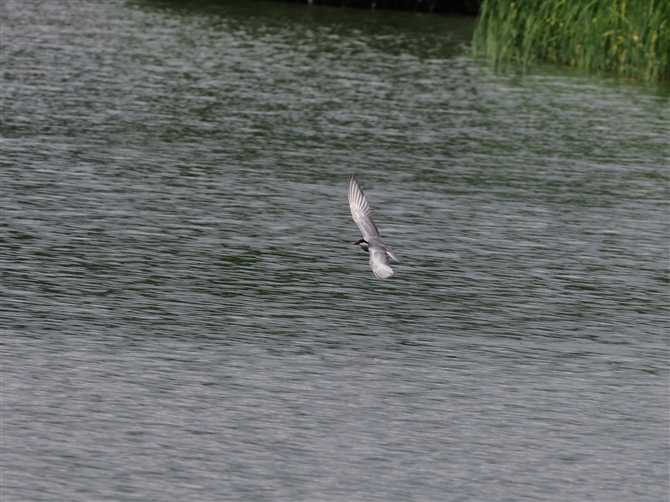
x=627 y=38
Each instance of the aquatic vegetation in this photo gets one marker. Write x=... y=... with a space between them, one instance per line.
x=627 y=38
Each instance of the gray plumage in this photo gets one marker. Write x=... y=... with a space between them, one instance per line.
x=372 y=241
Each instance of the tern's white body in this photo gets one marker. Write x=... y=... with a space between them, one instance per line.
x=372 y=241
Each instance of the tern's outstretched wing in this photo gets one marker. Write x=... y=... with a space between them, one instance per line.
x=360 y=211
x=391 y=252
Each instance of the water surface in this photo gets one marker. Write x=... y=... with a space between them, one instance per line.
x=184 y=315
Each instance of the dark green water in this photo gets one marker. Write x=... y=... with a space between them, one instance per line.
x=185 y=318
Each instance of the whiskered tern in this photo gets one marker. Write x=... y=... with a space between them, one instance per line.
x=371 y=242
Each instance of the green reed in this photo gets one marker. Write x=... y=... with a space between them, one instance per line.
x=627 y=38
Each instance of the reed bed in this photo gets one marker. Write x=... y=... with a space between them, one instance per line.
x=627 y=38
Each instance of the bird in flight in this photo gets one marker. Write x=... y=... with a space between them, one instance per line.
x=371 y=242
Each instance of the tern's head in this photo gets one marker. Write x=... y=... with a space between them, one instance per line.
x=363 y=244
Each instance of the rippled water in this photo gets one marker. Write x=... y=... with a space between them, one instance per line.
x=184 y=315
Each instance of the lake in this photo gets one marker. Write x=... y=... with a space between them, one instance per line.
x=185 y=316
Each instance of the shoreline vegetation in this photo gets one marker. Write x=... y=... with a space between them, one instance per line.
x=629 y=39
